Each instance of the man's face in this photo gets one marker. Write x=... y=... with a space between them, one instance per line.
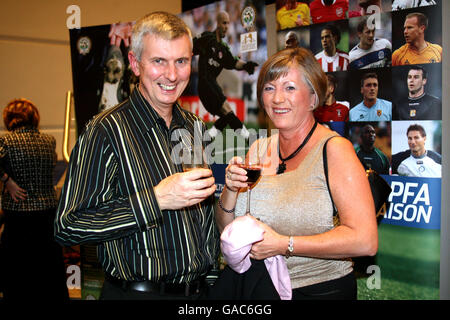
x=291 y=4
x=411 y=30
x=416 y=142
x=368 y=136
x=328 y=41
x=291 y=42
x=164 y=69
x=415 y=81
x=369 y=89
x=223 y=22
x=330 y=89
x=366 y=38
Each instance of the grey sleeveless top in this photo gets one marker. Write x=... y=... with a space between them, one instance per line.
x=298 y=203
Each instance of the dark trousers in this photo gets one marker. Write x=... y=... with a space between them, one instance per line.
x=112 y=291
x=344 y=288
x=33 y=265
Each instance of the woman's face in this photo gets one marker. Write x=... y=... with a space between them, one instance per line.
x=288 y=100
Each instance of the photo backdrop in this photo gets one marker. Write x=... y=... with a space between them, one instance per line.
x=409 y=228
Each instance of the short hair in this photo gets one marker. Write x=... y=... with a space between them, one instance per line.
x=335 y=32
x=163 y=24
x=20 y=113
x=362 y=24
x=278 y=65
x=424 y=71
x=422 y=19
x=367 y=76
x=332 y=79
x=416 y=127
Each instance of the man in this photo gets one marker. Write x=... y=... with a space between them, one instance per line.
x=416 y=50
x=370 y=52
x=154 y=224
x=214 y=55
x=293 y=14
x=371 y=108
x=406 y=4
x=331 y=58
x=332 y=110
x=370 y=156
x=420 y=163
x=291 y=40
x=418 y=105
x=328 y=10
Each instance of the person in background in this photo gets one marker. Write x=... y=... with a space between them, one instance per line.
x=33 y=267
x=214 y=56
x=291 y=201
x=416 y=50
x=418 y=105
x=331 y=58
x=370 y=156
x=366 y=7
x=332 y=110
x=421 y=162
x=407 y=4
x=153 y=223
x=328 y=10
x=370 y=52
x=371 y=108
x=293 y=14
x=291 y=40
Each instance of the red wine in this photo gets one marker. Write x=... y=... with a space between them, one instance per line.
x=253 y=173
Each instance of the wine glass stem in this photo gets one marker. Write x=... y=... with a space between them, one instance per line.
x=248 y=200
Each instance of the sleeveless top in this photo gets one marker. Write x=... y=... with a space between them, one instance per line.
x=298 y=203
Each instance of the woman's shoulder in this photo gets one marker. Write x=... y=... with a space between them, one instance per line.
x=336 y=144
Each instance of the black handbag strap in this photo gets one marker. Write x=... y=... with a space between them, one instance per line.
x=325 y=170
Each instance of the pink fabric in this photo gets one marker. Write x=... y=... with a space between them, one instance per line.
x=236 y=242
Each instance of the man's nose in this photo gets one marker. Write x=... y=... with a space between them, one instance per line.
x=171 y=72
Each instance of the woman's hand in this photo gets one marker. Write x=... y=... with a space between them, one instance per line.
x=272 y=244
x=16 y=192
x=235 y=176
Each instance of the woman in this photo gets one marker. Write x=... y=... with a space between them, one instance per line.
x=33 y=265
x=291 y=200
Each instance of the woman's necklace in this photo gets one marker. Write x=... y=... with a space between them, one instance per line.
x=282 y=167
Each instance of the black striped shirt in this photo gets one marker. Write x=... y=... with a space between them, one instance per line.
x=108 y=197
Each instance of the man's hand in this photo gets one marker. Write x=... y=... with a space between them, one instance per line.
x=250 y=66
x=185 y=189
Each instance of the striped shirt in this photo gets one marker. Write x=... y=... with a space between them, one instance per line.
x=108 y=197
x=338 y=62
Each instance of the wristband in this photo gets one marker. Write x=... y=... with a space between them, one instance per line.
x=6 y=180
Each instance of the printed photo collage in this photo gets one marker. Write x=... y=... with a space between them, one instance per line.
x=383 y=63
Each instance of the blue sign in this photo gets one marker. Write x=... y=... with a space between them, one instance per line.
x=414 y=202
x=219 y=175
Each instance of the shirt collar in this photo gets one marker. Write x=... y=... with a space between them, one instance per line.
x=25 y=129
x=150 y=118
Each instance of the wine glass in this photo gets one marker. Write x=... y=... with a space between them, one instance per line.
x=253 y=167
x=193 y=157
